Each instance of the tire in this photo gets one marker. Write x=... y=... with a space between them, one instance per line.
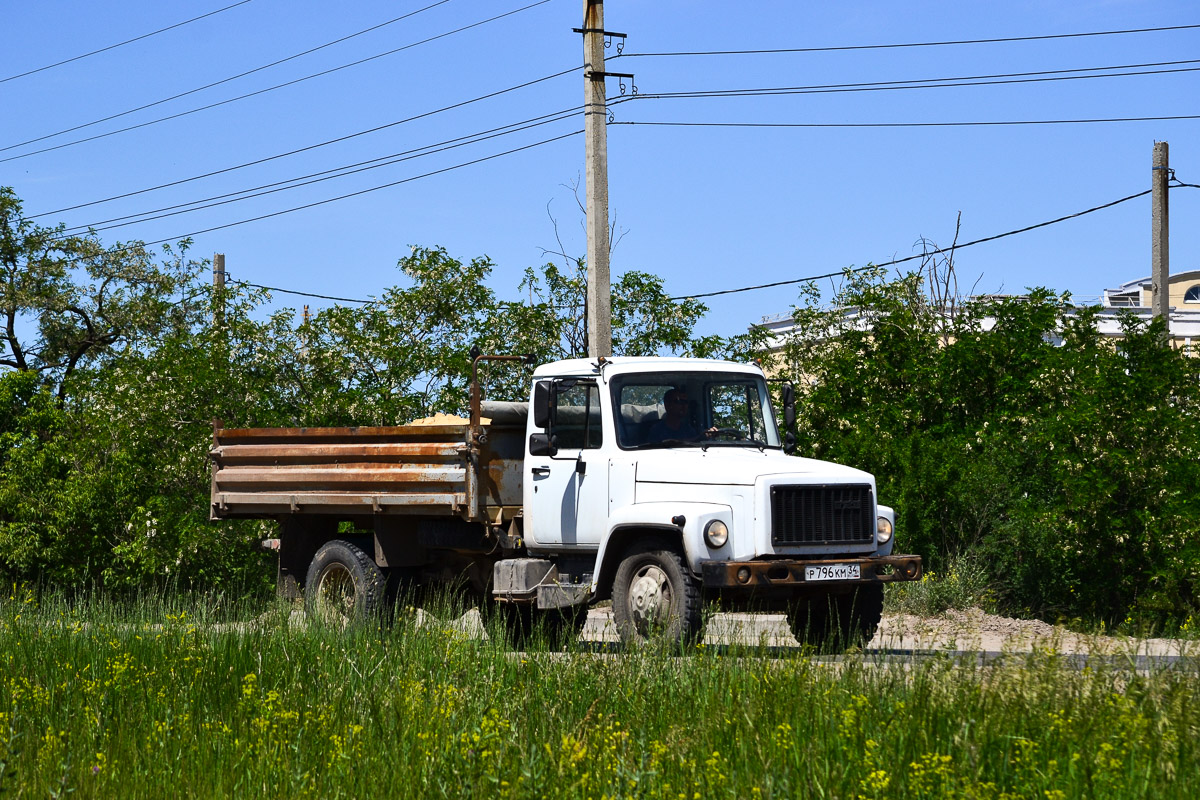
x=838 y=622
x=655 y=598
x=343 y=585
x=525 y=625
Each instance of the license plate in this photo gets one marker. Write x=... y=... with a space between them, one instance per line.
x=832 y=572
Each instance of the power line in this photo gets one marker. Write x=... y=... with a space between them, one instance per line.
x=180 y=236
x=929 y=83
x=122 y=44
x=303 y=294
x=806 y=279
x=914 y=257
x=223 y=80
x=912 y=44
x=325 y=143
x=359 y=300
x=259 y=91
x=325 y=175
x=902 y=124
x=352 y=299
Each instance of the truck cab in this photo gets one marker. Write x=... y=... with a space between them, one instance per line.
x=658 y=483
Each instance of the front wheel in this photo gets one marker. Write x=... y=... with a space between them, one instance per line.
x=343 y=584
x=655 y=598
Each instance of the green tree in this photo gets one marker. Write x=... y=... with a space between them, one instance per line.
x=66 y=300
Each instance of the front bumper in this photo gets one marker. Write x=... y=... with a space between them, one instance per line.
x=784 y=573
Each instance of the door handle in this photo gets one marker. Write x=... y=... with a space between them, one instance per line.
x=541 y=470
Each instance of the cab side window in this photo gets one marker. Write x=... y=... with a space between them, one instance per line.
x=577 y=418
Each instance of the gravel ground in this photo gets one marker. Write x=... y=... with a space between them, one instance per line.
x=972 y=630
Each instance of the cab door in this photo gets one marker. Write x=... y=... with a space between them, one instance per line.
x=566 y=494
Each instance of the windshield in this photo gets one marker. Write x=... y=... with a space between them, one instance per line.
x=700 y=409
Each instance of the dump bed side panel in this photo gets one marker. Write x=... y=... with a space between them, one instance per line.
x=269 y=472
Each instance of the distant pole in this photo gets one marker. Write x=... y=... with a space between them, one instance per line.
x=304 y=332
x=599 y=290
x=1160 y=262
x=218 y=289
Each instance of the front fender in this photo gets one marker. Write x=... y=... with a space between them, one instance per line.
x=659 y=518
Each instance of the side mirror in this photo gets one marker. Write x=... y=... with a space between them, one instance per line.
x=789 y=406
x=542 y=444
x=543 y=403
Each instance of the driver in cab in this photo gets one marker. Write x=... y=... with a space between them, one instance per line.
x=674 y=425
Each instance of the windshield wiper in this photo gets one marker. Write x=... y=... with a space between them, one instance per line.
x=664 y=443
x=737 y=443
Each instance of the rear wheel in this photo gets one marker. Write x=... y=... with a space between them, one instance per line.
x=655 y=598
x=838 y=622
x=343 y=584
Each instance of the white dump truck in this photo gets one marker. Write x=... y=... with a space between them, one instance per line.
x=656 y=483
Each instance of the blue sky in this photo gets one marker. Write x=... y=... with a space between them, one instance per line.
x=706 y=208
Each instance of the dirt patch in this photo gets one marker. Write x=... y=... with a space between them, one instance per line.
x=975 y=629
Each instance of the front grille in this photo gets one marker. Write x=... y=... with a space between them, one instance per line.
x=822 y=514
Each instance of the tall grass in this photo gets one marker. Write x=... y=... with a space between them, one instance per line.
x=108 y=701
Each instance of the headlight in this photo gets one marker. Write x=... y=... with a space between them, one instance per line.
x=716 y=533
x=883 y=528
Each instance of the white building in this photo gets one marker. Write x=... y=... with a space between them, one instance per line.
x=1132 y=297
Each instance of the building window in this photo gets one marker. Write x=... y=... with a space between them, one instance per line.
x=1193 y=294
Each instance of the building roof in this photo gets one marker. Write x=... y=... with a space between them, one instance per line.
x=1178 y=277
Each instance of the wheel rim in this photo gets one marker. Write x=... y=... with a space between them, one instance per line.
x=336 y=596
x=650 y=599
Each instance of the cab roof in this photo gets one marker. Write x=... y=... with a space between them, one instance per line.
x=624 y=365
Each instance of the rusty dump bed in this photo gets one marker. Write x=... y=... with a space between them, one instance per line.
x=407 y=469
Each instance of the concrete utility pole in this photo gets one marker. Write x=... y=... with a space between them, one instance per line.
x=1160 y=262
x=218 y=289
x=304 y=333
x=599 y=290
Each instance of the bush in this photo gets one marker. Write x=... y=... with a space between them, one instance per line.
x=1009 y=428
